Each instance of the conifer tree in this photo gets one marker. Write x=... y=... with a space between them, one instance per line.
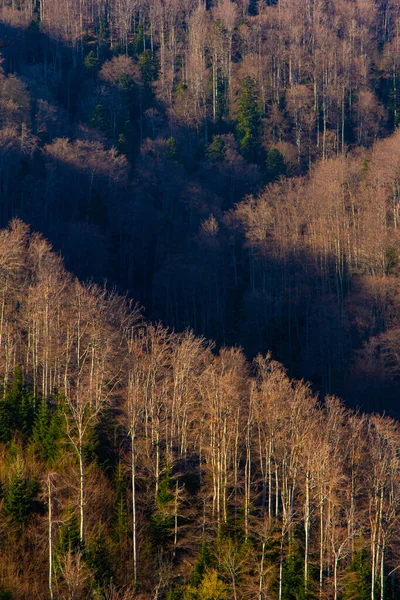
x=248 y=118
x=19 y=499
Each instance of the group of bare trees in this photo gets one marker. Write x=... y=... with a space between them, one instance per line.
x=209 y=452
x=333 y=235
x=316 y=67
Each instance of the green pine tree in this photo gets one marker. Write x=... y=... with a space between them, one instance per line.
x=216 y=150
x=357 y=580
x=172 y=152
x=204 y=561
x=275 y=165
x=16 y=408
x=148 y=67
x=248 y=118
x=19 y=499
x=97 y=557
x=47 y=431
x=91 y=63
x=68 y=537
x=120 y=521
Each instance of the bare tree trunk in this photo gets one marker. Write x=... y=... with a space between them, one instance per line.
x=134 y=524
x=81 y=492
x=50 y=534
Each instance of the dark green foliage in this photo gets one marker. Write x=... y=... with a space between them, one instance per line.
x=19 y=501
x=16 y=408
x=275 y=165
x=161 y=527
x=148 y=65
x=173 y=594
x=122 y=144
x=248 y=118
x=99 y=445
x=357 y=580
x=204 y=561
x=391 y=259
x=216 y=150
x=91 y=63
x=120 y=520
x=162 y=521
x=97 y=557
x=68 y=537
x=5 y=594
x=141 y=41
x=103 y=30
x=165 y=487
x=126 y=84
x=293 y=576
x=172 y=150
x=47 y=431
x=126 y=140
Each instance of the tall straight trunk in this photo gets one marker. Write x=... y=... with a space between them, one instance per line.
x=321 y=545
x=134 y=525
x=260 y=593
x=50 y=534
x=306 y=530
x=281 y=565
x=81 y=492
x=335 y=581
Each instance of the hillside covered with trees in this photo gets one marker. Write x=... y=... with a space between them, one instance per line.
x=140 y=463
x=234 y=168
x=132 y=130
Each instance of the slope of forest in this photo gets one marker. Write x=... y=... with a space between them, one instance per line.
x=138 y=463
x=131 y=130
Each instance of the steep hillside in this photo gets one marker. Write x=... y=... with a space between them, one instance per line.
x=131 y=131
x=138 y=463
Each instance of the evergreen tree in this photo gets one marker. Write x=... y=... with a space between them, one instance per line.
x=248 y=118
x=19 y=499
x=162 y=521
x=68 y=538
x=97 y=557
x=357 y=580
x=16 y=408
x=172 y=152
x=47 y=431
x=120 y=521
x=275 y=165
x=148 y=67
x=293 y=577
x=204 y=561
x=91 y=63
x=216 y=150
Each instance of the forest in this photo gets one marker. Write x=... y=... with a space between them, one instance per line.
x=199 y=255
x=140 y=463
x=144 y=139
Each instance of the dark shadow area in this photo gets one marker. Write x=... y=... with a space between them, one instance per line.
x=152 y=219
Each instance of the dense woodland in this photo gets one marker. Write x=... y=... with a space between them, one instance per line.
x=233 y=167
x=140 y=463
x=132 y=130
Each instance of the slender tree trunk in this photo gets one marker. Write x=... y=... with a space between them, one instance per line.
x=81 y=493
x=134 y=525
x=260 y=594
x=50 y=533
